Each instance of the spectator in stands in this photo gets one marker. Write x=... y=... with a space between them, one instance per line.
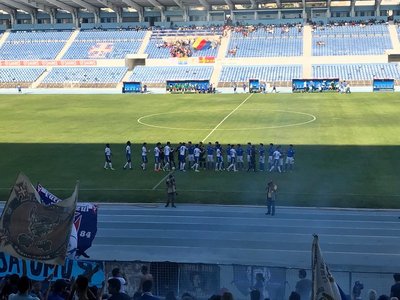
x=304 y=286
x=372 y=295
x=227 y=296
x=145 y=275
x=260 y=285
x=294 y=296
x=37 y=290
x=80 y=290
x=170 y=295
x=23 y=286
x=9 y=286
x=395 y=289
x=146 y=288
x=116 y=273
x=58 y=290
x=114 y=287
x=255 y=295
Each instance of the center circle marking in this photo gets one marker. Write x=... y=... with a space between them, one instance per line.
x=312 y=119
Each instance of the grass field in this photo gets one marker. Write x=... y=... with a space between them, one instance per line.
x=347 y=146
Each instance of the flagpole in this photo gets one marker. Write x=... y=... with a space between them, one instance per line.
x=313 y=268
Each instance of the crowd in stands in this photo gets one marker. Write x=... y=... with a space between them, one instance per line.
x=15 y=287
x=270 y=29
x=179 y=48
x=183 y=48
x=362 y=24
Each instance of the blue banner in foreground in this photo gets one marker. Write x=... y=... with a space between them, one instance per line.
x=40 y=271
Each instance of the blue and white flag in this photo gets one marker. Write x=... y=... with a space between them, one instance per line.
x=85 y=220
x=86 y=225
x=324 y=285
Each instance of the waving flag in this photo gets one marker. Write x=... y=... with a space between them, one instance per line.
x=324 y=285
x=31 y=230
x=85 y=220
x=201 y=44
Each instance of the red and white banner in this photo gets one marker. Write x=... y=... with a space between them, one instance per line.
x=35 y=63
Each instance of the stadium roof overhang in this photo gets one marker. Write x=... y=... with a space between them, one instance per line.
x=94 y=6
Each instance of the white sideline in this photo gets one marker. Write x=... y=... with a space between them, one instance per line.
x=226 y=117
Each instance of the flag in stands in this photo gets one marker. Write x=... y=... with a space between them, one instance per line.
x=324 y=285
x=201 y=44
x=32 y=230
x=85 y=220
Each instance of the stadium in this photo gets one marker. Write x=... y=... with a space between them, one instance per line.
x=253 y=102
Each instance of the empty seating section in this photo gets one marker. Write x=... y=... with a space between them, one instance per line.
x=155 y=48
x=270 y=73
x=113 y=44
x=34 y=45
x=84 y=77
x=354 y=72
x=351 y=40
x=162 y=74
x=262 y=43
x=12 y=77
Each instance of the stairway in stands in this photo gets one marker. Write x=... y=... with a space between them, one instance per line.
x=145 y=42
x=394 y=37
x=68 y=44
x=4 y=37
x=223 y=49
x=41 y=78
x=307 y=51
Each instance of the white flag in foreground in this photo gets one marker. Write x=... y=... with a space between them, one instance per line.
x=324 y=285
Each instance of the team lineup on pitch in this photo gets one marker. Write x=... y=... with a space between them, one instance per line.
x=332 y=149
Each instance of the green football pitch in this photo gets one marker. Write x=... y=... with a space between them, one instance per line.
x=347 y=146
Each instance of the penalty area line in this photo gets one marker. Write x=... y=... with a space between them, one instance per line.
x=226 y=117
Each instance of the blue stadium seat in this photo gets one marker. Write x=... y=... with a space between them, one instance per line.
x=34 y=45
x=263 y=73
x=162 y=74
x=261 y=43
x=97 y=75
x=112 y=44
x=18 y=75
x=357 y=71
x=351 y=40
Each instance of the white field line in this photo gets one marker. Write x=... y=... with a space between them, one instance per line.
x=227 y=116
x=162 y=180
x=214 y=191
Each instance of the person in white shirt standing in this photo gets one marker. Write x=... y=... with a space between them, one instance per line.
x=144 y=156
x=157 y=163
x=196 y=153
x=167 y=151
x=128 y=156
x=277 y=155
x=108 y=154
x=182 y=157
x=232 y=155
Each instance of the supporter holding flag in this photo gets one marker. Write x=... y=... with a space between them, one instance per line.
x=84 y=228
x=31 y=230
x=324 y=285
